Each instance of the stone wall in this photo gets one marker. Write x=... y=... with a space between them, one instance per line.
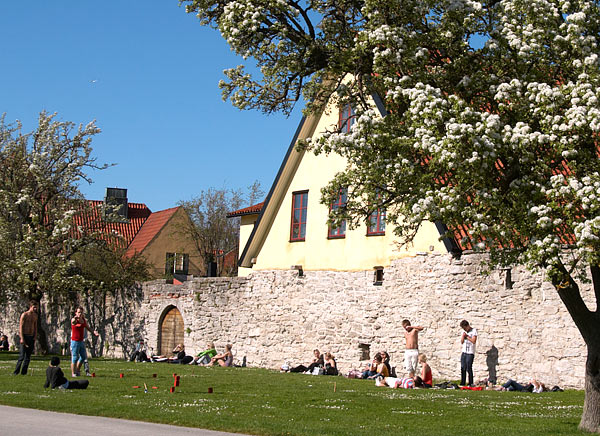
x=115 y=316
x=275 y=316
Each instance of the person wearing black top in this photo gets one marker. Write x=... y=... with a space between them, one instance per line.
x=317 y=362
x=180 y=356
x=4 y=343
x=56 y=379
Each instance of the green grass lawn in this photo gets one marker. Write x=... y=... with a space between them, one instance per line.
x=259 y=401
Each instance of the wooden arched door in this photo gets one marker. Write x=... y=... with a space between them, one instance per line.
x=171 y=331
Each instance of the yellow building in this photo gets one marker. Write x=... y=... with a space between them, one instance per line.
x=290 y=230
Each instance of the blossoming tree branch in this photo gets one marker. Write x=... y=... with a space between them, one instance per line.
x=492 y=120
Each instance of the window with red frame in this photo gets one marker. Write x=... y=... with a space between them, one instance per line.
x=376 y=224
x=299 y=203
x=347 y=118
x=339 y=232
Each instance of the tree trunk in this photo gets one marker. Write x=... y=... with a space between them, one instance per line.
x=42 y=337
x=590 y=420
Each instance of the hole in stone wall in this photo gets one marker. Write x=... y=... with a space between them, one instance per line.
x=365 y=351
x=508 y=283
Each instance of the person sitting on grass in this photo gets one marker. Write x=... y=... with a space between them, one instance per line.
x=381 y=370
x=4 y=343
x=426 y=374
x=223 y=359
x=317 y=362
x=180 y=356
x=203 y=358
x=330 y=364
x=139 y=354
x=386 y=361
x=371 y=369
x=55 y=378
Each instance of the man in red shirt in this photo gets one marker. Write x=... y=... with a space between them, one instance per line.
x=78 y=354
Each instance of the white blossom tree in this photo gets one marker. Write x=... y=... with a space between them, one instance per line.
x=493 y=116
x=39 y=176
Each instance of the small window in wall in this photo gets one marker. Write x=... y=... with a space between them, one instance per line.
x=299 y=209
x=177 y=263
x=340 y=202
x=378 y=275
x=347 y=118
x=365 y=351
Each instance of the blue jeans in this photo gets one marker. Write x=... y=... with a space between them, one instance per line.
x=25 y=351
x=512 y=385
x=466 y=367
x=78 y=353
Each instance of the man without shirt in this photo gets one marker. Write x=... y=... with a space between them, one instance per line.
x=27 y=334
x=411 y=355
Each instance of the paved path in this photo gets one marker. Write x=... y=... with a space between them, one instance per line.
x=15 y=421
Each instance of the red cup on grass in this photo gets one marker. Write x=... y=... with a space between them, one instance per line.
x=210 y=390
x=121 y=375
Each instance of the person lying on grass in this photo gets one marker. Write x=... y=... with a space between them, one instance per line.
x=395 y=382
x=55 y=378
x=400 y=382
x=534 y=386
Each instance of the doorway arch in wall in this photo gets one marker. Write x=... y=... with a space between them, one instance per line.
x=170 y=330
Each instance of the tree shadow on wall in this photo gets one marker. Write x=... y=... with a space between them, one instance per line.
x=114 y=315
x=492 y=362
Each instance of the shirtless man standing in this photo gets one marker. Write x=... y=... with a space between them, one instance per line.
x=27 y=335
x=411 y=355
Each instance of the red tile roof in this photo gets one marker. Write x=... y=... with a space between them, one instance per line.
x=150 y=229
x=247 y=210
x=91 y=219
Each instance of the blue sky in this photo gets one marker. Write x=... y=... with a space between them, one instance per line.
x=147 y=72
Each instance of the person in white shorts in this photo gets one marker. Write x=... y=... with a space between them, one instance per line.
x=411 y=355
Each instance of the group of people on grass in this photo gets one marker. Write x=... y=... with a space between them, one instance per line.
x=379 y=369
x=384 y=374
x=28 y=323
x=209 y=356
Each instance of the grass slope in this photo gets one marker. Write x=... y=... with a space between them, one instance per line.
x=264 y=402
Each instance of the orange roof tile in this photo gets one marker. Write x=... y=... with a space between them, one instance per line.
x=91 y=219
x=247 y=210
x=150 y=229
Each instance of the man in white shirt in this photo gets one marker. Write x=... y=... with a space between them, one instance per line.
x=467 y=339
